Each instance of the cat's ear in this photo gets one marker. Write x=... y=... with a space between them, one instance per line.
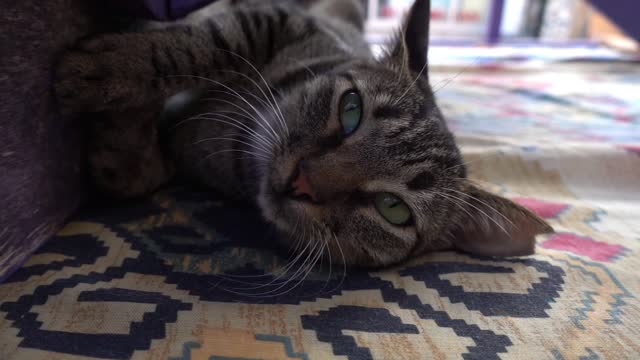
x=494 y=226
x=409 y=48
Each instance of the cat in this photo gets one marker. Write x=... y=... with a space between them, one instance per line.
x=342 y=151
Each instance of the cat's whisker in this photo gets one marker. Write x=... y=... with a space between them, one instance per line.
x=456 y=203
x=404 y=64
x=298 y=244
x=261 y=119
x=294 y=231
x=263 y=80
x=239 y=125
x=274 y=282
x=472 y=181
x=281 y=270
x=449 y=80
x=243 y=132
x=343 y=275
x=235 y=150
x=275 y=138
x=484 y=157
x=328 y=251
x=344 y=261
x=268 y=107
x=268 y=102
x=483 y=203
x=310 y=267
x=253 y=143
x=305 y=268
x=397 y=101
x=310 y=263
x=272 y=140
x=283 y=283
x=240 y=97
x=255 y=147
x=478 y=209
x=255 y=285
x=330 y=263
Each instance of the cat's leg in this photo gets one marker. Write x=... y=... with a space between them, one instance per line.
x=120 y=71
x=131 y=70
x=350 y=11
x=125 y=156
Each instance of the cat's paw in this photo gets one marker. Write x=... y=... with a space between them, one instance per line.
x=101 y=73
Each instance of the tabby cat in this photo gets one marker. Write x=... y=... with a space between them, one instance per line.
x=346 y=153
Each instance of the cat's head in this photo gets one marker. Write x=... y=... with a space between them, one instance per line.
x=370 y=170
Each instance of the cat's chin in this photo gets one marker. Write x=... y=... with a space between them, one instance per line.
x=288 y=213
x=293 y=212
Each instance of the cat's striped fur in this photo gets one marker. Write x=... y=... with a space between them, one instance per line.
x=251 y=140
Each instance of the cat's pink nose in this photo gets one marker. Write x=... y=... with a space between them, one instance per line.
x=301 y=186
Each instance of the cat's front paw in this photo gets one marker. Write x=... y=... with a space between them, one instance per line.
x=102 y=73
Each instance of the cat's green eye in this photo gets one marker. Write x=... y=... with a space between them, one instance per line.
x=350 y=112
x=392 y=208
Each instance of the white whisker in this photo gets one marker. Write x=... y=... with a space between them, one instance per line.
x=411 y=85
x=242 y=98
x=257 y=148
x=484 y=203
x=480 y=210
x=272 y=136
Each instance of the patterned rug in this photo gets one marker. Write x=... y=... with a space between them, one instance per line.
x=186 y=276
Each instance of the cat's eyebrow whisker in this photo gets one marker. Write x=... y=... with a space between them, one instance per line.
x=477 y=208
x=411 y=85
x=456 y=203
x=464 y=69
x=485 y=204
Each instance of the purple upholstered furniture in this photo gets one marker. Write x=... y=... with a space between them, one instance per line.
x=42 y=170
x=623 y=12
x=160 y=9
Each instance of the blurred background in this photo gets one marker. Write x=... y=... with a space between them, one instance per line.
x=524 y=30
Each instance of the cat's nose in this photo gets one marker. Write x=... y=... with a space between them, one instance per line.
x=301 y=186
